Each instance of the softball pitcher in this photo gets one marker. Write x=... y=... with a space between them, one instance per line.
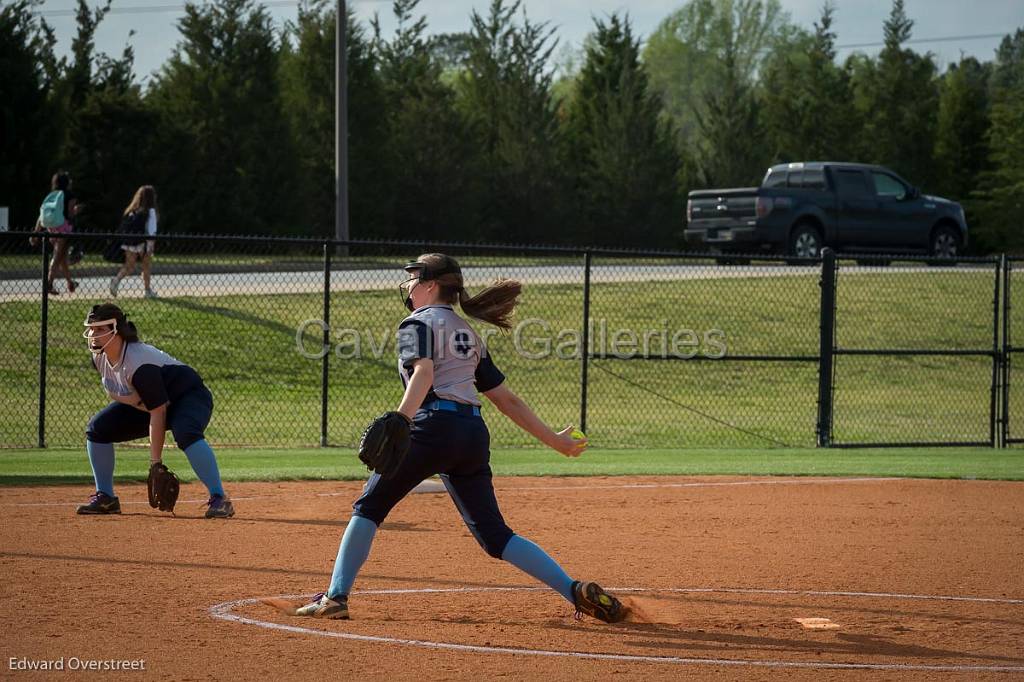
x=151 y=392
x=444 y=364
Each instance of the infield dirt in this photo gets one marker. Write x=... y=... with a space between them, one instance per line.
x=761 y=551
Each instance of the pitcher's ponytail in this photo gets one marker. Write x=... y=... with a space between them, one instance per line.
x=495 y=304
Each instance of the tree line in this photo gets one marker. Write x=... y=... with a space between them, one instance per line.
x=491 y=134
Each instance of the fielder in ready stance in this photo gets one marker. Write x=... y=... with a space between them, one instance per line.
x=443 y=364
x=152 y=392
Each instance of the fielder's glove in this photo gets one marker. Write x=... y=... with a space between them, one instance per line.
x=163 y=487
x=385 y=443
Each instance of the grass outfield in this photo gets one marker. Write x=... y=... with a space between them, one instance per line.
x=267 y=395
x=46 y=467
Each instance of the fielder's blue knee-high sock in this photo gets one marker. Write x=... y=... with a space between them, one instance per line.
x=200 y=456
x=101 y=457
x=355 y=547
x=529 y=558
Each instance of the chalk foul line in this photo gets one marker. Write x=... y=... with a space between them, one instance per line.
x=225 y=611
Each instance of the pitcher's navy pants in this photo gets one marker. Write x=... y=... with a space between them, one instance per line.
x=456 y=446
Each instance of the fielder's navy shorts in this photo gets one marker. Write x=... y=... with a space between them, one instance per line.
x=187 y=418
x=456 y=446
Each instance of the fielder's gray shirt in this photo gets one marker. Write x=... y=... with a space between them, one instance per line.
x=145 y=377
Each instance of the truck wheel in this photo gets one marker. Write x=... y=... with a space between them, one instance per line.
x=805 y=242
x=945 y=244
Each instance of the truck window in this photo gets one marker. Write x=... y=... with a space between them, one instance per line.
x=814 y=178
x=851 y=182
x=888 y=186
x=775 y=179
x=796 y=178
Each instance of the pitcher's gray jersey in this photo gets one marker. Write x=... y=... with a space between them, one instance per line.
x=462 y=365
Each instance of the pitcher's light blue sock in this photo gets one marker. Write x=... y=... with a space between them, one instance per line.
x=355 y=547
x=200 y=456
x=529 y=558
x=101 y=457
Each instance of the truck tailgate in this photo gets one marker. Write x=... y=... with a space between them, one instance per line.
x=720 y=207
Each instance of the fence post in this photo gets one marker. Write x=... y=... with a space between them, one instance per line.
x=585 y=353
x=993 y=438
x=826 y=347
x=43 y=319
x=325 y=362
x=1004 y=431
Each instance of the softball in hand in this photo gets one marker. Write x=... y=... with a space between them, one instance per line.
x=578 y=435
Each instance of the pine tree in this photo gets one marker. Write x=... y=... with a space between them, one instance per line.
x=307 y=76
x=110 y=143
x=505 y=92
x=733 y=152
x=620 y=154
x=999 y=200
x=29 y=118
x=960 y=149
x=222 y=121
x=806 y=98
x=430 y=161
x=898 y=100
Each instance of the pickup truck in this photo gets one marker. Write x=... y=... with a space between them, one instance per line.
x=801 y=207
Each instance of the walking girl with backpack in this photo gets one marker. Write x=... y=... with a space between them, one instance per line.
x=56 y=216
x=138 y=222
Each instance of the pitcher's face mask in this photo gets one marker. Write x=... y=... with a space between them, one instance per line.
x=99 y=334
x=405 y=290
x=421 y=272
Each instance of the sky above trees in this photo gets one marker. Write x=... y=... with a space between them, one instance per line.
x=857 y=22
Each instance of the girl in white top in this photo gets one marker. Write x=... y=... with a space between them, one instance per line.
x=143 y=205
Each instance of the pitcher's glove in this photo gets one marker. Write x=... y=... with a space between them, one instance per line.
x=163 y=487
x=385 y=443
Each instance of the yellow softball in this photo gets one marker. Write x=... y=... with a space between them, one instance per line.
x=578 y=435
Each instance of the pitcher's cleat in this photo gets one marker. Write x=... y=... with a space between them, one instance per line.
x=593 y=601
x=101 y=503
x=323 y=606
x=219 y=507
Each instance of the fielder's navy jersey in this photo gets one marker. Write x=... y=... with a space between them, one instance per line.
x=145 y=377
x=462 y=365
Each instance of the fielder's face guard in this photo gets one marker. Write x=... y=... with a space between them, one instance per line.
x=421 y=272
x=94 y=333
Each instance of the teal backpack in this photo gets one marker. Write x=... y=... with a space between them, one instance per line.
x=51 y=213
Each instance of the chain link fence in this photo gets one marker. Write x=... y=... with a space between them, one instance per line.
x=296 y=339
x=1013 y=346
x=687 y=351
x=916 y=353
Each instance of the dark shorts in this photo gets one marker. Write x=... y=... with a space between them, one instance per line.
x=457 y=447
x=187 y=418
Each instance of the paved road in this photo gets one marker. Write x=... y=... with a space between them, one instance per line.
x=310 y=282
